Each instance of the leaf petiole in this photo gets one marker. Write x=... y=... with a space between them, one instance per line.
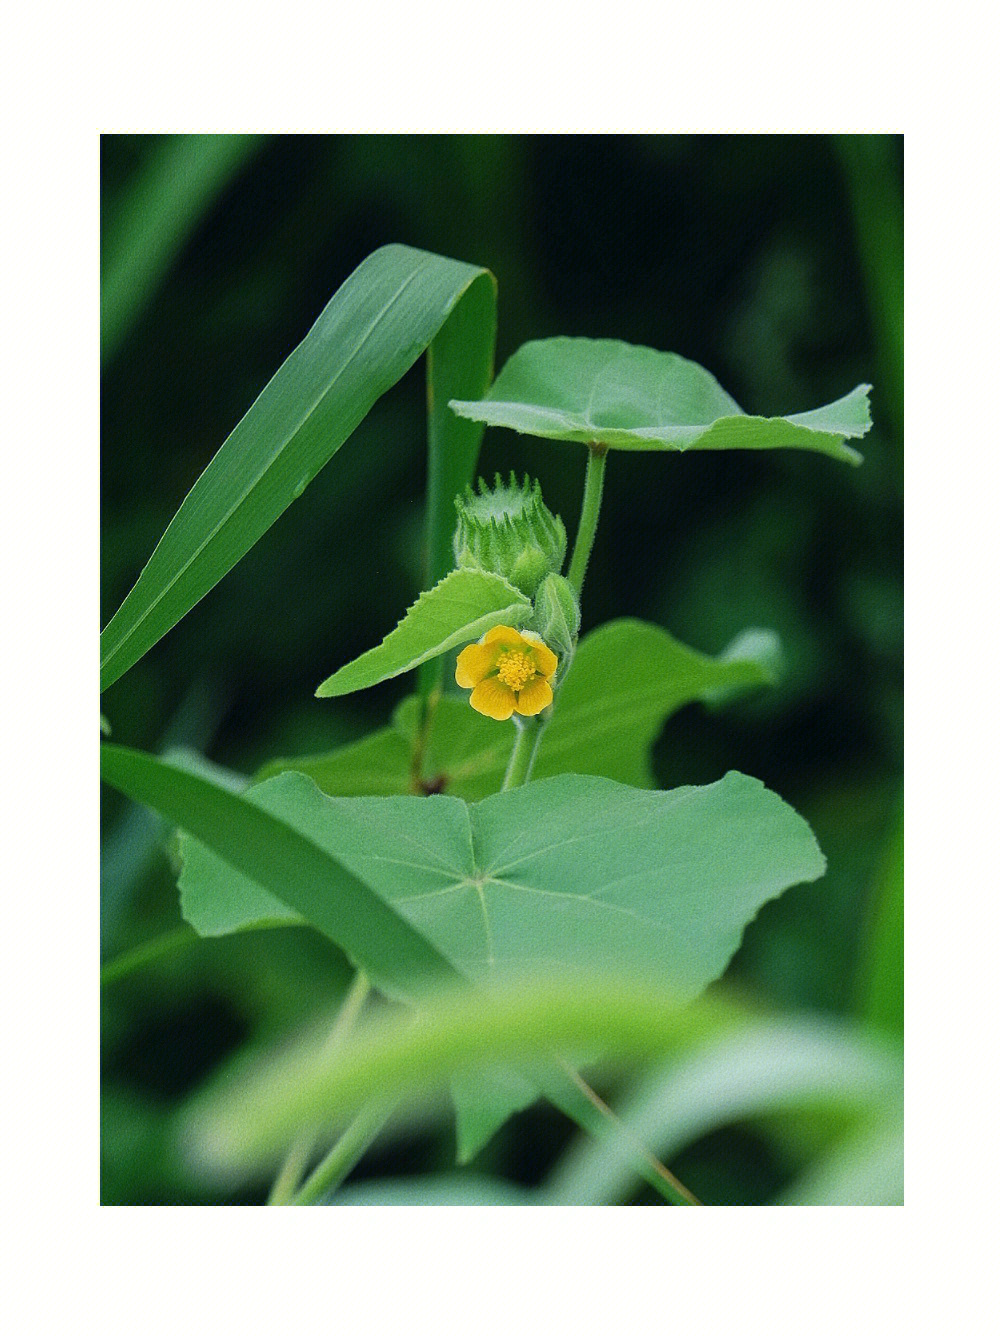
x=593 y=492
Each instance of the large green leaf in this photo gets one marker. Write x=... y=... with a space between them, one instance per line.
x=626 y=679
x=576 y=873
x=369 y=335
x=638 y=399
x=285 y=866
x=460 y=608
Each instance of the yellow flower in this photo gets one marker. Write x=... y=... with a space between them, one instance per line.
x=508 y=672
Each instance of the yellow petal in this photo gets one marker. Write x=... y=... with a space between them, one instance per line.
x=547 y=661
x=534 y=697
x=473 y=665
x=501 y=633
x=494 y=700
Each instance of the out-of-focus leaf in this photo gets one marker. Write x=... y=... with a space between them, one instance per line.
x=767 y=1067
x=369 y=335
x=637 y=399
x=460 y=608
x=242 y=1122
x=448 y=1189
x=866 y=1168
x=171 y=191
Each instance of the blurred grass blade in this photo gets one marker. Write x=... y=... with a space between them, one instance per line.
x=433 y=1189
x=372 y=331
x=286 y=863
x=767 y=1067
x=880 y=986
x=241 y=1122
x=866 y=1168
x=170 y=192
x=461 y=355
x=877 y=202
x=133 y=960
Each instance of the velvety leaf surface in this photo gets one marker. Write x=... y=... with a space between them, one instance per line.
x=460 y=608
x=571 y=873
x=638 y=399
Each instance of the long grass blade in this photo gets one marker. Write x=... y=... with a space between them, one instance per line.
x=372 y=331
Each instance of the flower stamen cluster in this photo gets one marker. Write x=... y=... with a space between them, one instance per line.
x=508 y=671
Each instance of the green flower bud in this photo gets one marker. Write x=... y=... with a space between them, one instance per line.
x=507 y=529
x=556 y=618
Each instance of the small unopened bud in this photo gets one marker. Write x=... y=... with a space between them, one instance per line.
x=556 y=618
x=507 y=529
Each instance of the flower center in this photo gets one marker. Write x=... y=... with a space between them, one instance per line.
x=515 y=668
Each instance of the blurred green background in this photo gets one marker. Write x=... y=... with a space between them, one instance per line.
x=776 y=262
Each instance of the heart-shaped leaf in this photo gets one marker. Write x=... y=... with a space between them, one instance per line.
x=638 y=399
x=576 y=873
x=460 y=608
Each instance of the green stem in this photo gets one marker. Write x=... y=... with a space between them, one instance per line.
x=593 y=492
x=288 y=1179
x=603 y=1123
x=521 y=761
x=339 y=1162
x=284 y=1188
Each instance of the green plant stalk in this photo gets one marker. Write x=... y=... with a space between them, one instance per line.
x=593 y=492
x=288 y=1179
x=580 y=1102
x=460 y=364
x=521 y=761
x=879 y=989
x=602 y=1120
x=339 y=1162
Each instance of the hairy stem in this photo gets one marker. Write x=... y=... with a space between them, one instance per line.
x=521 y=761
x=593 y=492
